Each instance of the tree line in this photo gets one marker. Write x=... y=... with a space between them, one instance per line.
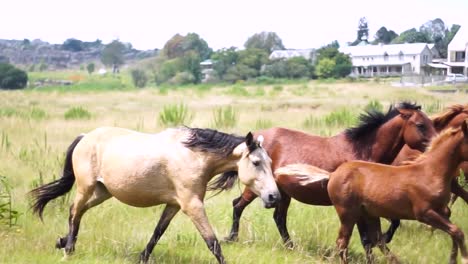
x=433 y=31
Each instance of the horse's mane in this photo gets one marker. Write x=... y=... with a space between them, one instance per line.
x=364 y=133
x=209 y=140
x=212 y=141
x=441 y=120
x=435 y=142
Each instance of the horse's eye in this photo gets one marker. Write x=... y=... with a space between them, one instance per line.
x=421 y=127
x=256 y=163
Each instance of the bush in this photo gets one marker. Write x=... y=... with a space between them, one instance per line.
x=77 y=113
x=90 y=68
x=374 y=105
x=11 y=77
x=174 y=115
x=139 y=78
x=224 y=117
x=182 y=78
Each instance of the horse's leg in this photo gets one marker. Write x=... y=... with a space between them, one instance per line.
x=441 y=221
x=394 y=224
x=79 y=207
x=348 y=218
x=169 y=212
x=280 y=215
x=458 y=191
x=195 y=209
x=239 y=204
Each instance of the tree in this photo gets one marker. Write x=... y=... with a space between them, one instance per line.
x=139 y=78
x=90 y=68
x=411 y=36
x=112 y=55
x=267 y=41
x=179 y=45
x=72 y=44
x=384 y=36
x=223 y=59
x=11 y=77
x=341 y=65
x=325 y=68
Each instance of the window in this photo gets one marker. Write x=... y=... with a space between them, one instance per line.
x=459 y=56
x=400 y=56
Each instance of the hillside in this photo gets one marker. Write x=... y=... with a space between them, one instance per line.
x=59 y=56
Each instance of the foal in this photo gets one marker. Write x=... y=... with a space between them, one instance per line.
x=420 y=191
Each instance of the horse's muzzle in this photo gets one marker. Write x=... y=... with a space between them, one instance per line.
x=272 y=200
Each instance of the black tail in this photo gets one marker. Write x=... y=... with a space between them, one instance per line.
x=224 y=182
x=44 y=194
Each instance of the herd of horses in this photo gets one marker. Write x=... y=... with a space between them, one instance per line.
x=397 y=165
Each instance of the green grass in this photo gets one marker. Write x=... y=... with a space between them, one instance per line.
x=224 y=117
x=33 y=143
x=175 y=115
x=77 y=113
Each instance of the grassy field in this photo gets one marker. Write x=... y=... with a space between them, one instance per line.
x=36 y=126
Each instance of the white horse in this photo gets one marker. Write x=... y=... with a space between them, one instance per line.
x=172 y=167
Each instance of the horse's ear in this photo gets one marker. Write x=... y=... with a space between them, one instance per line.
x=249 y=139
x=405 y=113
x=260 y=140
x=464 y=127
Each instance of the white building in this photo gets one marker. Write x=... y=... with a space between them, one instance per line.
x=457 y=53
x=308 y=54
x=389 y=60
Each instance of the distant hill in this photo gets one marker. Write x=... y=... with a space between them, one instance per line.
x=60 y=56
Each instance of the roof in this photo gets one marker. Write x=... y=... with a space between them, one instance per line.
x=460 y=41
x=380 y=63
x=392 y=49
x=290 y=53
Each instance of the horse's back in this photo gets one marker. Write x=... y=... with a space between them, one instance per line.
x=286 y=146
x=135 y=167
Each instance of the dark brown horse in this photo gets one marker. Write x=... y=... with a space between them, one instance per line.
x=420 y=191
x=379 y=138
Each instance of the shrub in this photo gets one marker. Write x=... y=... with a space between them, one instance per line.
x=139 y=78
x=374 y=105
x=224 y=117
x=182 y=78
x=90 y=68
x=8 y=216
x=340 y=118
x=77 y=113
x=174 y=115
x=11 y=77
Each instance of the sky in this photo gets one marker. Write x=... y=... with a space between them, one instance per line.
x=150 y=24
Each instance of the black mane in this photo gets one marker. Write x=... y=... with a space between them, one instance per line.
x=364 y=133
x=209 y=140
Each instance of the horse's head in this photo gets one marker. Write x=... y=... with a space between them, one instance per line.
x=418 y=129
x=254 y=169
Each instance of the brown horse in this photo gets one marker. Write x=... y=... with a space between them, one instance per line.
x=420 y=191
x=453 y=117
x=379 y=138
x=172 y=167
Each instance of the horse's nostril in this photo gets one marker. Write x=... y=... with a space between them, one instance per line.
x=271 y=197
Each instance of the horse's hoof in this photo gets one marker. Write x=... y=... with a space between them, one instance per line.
x=144 y=258
x=231 y=238
x=69 y=249
x=289 y=244
x=60 y=243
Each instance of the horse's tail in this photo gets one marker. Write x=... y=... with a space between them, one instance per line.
x=305 y=173
x=223 y=182
x=45 y=193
